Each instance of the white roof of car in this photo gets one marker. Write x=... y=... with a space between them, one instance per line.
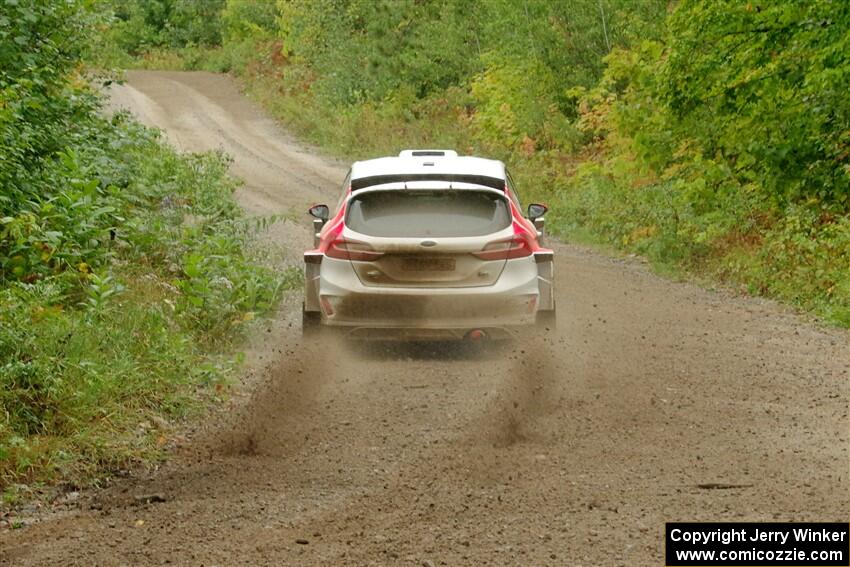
x=427 y=162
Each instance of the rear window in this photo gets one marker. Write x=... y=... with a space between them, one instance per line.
x=418 y=213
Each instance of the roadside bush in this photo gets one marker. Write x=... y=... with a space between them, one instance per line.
x=248 y=20
x=101 y=330
x=76 y=383
x=717 y=150
x=127 y=271
x=142 y=25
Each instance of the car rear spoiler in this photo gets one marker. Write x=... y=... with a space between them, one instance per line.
x=372 y=180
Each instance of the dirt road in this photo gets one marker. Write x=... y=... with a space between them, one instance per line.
x=571 y=452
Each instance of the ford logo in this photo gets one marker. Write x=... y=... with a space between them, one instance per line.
x=428 y=243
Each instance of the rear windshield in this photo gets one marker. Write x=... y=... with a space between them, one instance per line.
x=418 y=213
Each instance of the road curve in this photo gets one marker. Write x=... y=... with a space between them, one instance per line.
x=574 y=451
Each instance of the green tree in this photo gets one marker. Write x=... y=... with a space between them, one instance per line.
x=763 y=87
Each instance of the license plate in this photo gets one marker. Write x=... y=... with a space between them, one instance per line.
x=428 y=264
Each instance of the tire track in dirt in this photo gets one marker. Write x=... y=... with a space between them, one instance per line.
x=571 y=451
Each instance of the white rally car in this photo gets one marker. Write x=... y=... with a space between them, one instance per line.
x=428 y=246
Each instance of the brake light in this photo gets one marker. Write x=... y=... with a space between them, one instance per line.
x=518 y=246
x=343 y=249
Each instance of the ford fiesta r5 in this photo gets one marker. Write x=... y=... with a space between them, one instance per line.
x=428 y=246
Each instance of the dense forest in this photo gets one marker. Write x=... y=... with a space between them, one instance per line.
x=711 y=136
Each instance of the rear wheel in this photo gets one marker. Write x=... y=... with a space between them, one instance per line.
x=311 y=322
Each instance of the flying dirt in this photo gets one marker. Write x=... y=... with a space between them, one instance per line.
x=654 y=402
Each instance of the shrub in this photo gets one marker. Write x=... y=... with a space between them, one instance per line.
x=127 y=271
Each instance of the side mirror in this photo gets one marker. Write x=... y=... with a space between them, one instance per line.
x=321 y=212
x=536 y=210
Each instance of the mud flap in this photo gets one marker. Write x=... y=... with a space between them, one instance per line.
x=312 y=269
x=545 y=260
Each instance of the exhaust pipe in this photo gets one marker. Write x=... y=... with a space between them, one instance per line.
x=475 y=335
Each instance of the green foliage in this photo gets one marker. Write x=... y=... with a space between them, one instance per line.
x=568 y=39
x=513 y=112
x=363 y=50
x=724 y=148
x=244 y=20
x=101 y=330
x=39 y=49
x=762 y=87
x=126 y=269
x=76 y=384
x=804 y=260
x=143 y=24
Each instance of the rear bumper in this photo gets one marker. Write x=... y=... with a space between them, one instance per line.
x=403 y=334
x=439 y=312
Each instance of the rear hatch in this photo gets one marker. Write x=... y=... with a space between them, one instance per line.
x=428 y=238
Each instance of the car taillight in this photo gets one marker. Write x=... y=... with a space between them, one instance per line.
x=343 y=249
x=518 y=246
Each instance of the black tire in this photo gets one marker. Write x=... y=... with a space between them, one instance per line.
x=311 y=322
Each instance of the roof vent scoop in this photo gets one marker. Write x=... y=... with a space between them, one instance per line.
x=427 y=153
